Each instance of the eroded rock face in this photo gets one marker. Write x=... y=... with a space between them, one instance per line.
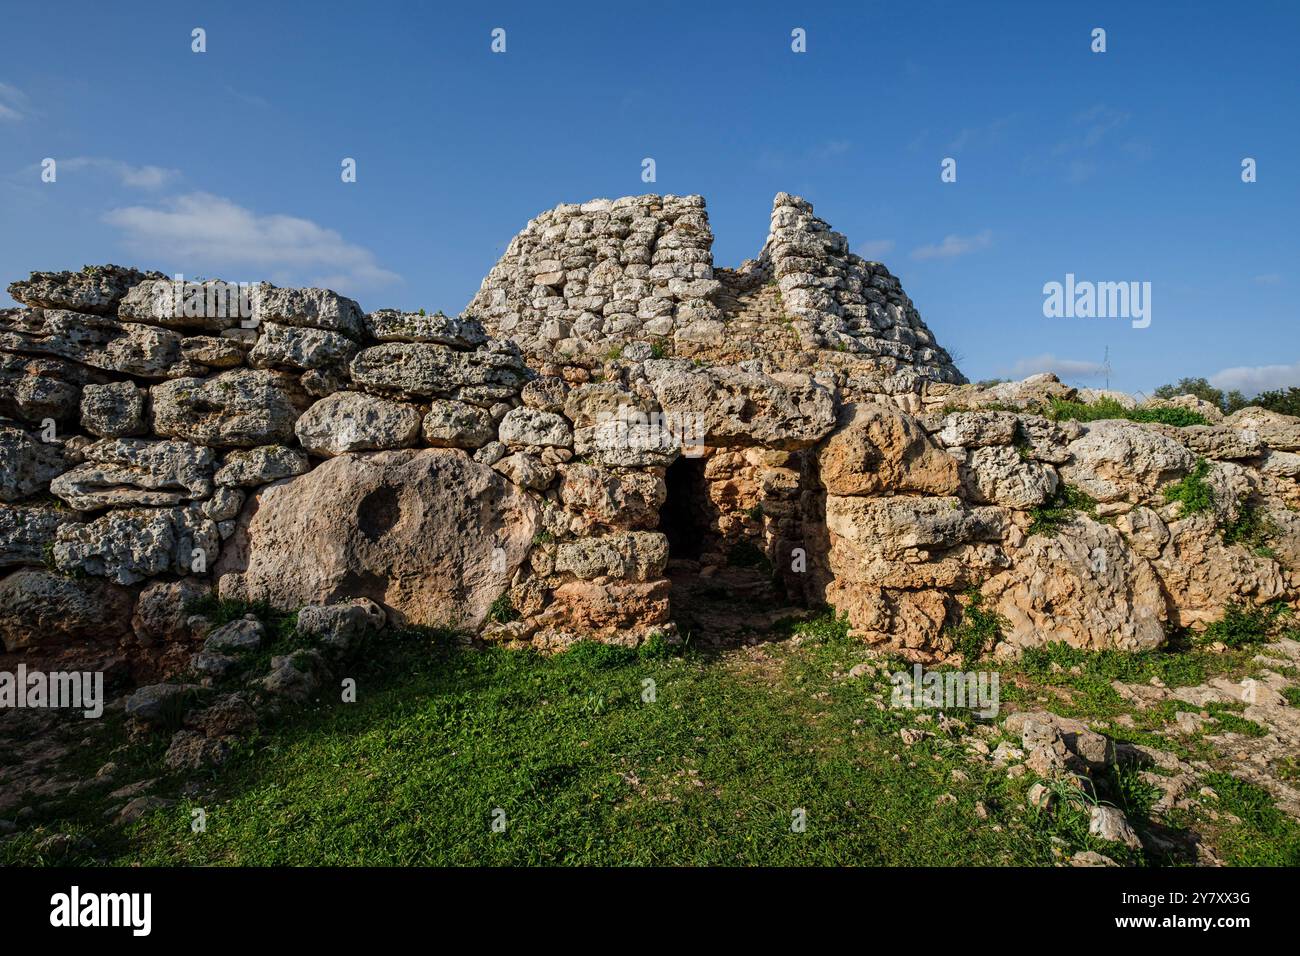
x=1123 y=461
x=113 y=410
x=1203 y=575
x=27 y=532
x=877 y=448
x=430 y=535
x=95 y=289
x=259 y=466
x=132 y=544
x=424 y=369
x=390 y=325
x=39 y=607
x=241 y=408
x=353 y=421
x=27 y=464
x=451 y=424
x=98 y=341
x=1083 y=587
x=130 y=471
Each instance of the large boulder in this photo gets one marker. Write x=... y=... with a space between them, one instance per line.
x=248 y=468
x=26 y=463
x=879 y=449
x=1083 y=586
x=289 y=347
x=1203 y=575
x=27 y=533
x=309 y=308
x=390 y=325
x=34 y=389
x=431 y=535
x=1277 y=431
x=241 y=408
x=421 y=369
x=113 y=410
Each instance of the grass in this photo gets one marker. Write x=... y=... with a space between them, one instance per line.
x=1056 y=512
x=1060 y=410
x=502 y=611
x=1243 y=626
x=1250 y=529
x=656 y=755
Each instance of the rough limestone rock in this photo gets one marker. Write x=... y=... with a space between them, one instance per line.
x=132 y=544
x=34 y=389
x=1203 y=575
x=599 y=498
x=287 y=347
x=390 y=325
x=27 y=533
x=1277 y=431
x=95 y=289
x=98 y=341
x=783 y=410
x=635 y=555
x=532 y=430
x=1117 y=460
x=424 y=369
x=309 y=308
x=123 y=472
x=452 y=424
x=27 y=464
x=979 y=429
x=353 y=421
x=340 y=626
x=163 y=609
x=259 y=466
x=210 y=306
x=877 y=448
x=38 y=607
x=999 y=475
x=213 y=351
x=430 y=535
x=241 y=408
x=113 y=410
x=1083 y=587
x=910 y=521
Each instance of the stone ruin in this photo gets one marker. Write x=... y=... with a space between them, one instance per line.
x=611 y=438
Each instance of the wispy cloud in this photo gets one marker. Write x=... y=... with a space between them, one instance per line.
x=136 y=177
x=1065 y=368
x=953 y=246
x=980 y=136
x=874 y=248
x=215 y=233
x=1268 y=278
x=13 y=103
x=1253 y=379
x=825 y=151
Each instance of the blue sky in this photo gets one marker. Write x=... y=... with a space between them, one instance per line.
x=1121 y=166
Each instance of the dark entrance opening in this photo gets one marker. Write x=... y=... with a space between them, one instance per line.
x=681 y=518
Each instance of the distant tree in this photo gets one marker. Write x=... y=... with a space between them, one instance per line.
x=1286 y=401
x=1283 y=400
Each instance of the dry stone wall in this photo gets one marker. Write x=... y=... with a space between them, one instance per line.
x=508 y=471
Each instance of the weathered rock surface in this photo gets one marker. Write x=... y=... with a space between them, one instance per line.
x=130 y=545
x=877 y=449
x=259 y=466
x=430 y=535
x=1118 y=460
x=354 y=421
x=95 y=289
x=241 y=408
x=1083 y=587
x=390 y=325
x=130 y=471
x=113 y=410
x=423 y=369
x=452 y=424
x=39 y=607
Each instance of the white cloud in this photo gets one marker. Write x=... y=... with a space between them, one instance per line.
x=874 y=248
x=13 y=103
x=137 y=177
x=1268 y=278
x=211 y=232
x=1065 y=368
x=953 y=246
x=1253 y=379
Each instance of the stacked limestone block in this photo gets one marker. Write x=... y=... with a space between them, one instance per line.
x=581 y=279
x=585 y=282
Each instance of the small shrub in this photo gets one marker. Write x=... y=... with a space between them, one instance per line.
x=1241 y=626
x=655 y=648
x=1193 y=492
x=1052 y=515
x=1251 y=530
x=503 y=610
x=1059 y=410
x=978 y=629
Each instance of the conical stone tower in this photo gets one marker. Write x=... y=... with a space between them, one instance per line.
x=634 y=278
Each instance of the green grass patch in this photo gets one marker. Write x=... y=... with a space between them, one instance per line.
x=1060 y=410
x=978 y=628
x=1265 y=836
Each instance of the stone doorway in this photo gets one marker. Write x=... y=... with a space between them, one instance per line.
x=725 y=534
